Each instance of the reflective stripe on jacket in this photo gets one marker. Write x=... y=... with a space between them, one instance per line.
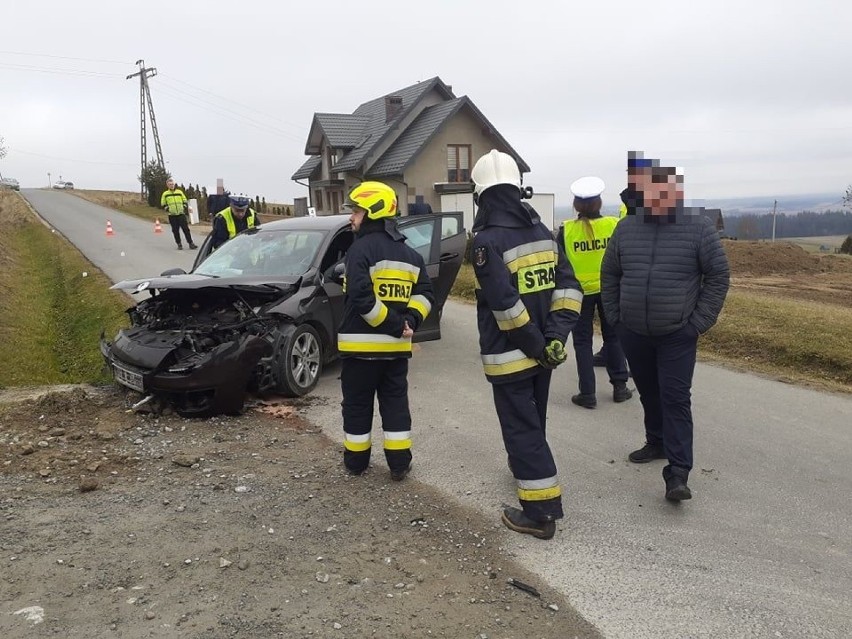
x=585 y=241
x=386 y=286
x=526 y=295
x=174 y=200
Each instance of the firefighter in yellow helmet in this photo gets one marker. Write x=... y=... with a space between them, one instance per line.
x=388 y=295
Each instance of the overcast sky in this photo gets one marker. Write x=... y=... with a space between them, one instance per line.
x=751 y=98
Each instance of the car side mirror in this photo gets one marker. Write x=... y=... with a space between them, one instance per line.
x=173 y=271
x=335 y=272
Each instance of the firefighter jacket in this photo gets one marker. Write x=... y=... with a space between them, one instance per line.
x=526 y=292
x=584 y=242
x=226 y=226
x=174 y=201
x=386 y=286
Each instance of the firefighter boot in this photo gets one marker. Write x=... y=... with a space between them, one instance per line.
x=515 y=519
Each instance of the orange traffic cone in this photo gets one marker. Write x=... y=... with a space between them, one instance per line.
x=109 y=230
x=157 y=227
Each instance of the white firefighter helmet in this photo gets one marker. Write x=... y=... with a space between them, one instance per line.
x=495 y=168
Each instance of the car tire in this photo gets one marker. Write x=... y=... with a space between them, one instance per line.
x=298 y=360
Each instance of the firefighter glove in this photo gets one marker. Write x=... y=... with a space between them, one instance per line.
x=553 y=355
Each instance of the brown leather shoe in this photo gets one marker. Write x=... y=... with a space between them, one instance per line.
x=515 y=519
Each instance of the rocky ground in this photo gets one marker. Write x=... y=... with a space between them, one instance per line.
x=135 y=525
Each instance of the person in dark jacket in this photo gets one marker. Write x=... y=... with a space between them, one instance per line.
x=388 y=295
x=664 y=279
x=527 y=302
x=232 y=220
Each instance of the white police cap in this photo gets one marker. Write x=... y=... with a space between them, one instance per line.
x=587 y=187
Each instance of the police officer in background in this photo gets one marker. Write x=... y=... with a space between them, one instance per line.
x=664 y=279
x=173 y=200
x=584 y=241
x=527 y=301
x=230 y=221
x=388 y=295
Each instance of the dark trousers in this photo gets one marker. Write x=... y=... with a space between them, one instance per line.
x=362 y=380
x=616 y=367
x=179 y=222
x=522 y=411
x=662 y=371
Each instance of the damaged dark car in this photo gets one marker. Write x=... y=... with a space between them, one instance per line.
x=260 y=314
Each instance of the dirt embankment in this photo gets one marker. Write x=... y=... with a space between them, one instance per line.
x=783 y=268
x=127 y=525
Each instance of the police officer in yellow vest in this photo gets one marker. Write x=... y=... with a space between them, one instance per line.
x=585 y=240
x=173 y=200
x=230 y=221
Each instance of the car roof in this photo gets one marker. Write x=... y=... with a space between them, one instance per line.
x=307 y=223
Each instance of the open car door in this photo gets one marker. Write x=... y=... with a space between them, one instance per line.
x=441 y=240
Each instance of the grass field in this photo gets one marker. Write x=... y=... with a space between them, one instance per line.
x=133 y=204
x=51 y=315
x=797 y=340
x=820 y=244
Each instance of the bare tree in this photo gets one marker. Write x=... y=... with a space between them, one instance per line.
x=2 y=147
x=847 y=198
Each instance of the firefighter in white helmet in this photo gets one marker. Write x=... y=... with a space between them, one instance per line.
x=527 y=302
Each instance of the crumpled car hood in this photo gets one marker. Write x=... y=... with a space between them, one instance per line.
x=195 y=281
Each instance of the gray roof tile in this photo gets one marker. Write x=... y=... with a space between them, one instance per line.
x=308 y=168
x=415 y=137
x=342 y=130
x=376 y=127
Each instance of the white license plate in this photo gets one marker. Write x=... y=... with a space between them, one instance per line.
x=128 y=378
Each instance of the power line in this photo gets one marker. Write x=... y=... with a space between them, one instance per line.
x=63 y=57
x=232 y=101
x=74 y=72
x=224 y=112
x=53 y=157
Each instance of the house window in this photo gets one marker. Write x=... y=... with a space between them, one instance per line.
x=458 y=163
x=318 y=199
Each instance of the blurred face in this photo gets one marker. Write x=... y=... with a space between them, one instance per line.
x=661 y=192
x=239 y=213
x=170 y=184
x=356 y=218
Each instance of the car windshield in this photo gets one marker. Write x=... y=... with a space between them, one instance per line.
x=269 y=253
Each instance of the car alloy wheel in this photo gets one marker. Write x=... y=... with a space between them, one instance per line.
x=299 y=360
x=305 y=359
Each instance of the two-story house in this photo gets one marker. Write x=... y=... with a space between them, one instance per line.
x=421 y=140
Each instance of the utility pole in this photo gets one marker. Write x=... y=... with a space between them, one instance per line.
x=49 y=181
x=774 y=207
x=145 y=98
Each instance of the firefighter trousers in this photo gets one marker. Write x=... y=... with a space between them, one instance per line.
x=362 y=380
x=522 y=411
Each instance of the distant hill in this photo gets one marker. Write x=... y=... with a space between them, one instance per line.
x=758 y=205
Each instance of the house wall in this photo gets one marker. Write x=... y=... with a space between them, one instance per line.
x=430 y=166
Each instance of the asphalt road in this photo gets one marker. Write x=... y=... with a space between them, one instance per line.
x=133 y=251
x=764 y=549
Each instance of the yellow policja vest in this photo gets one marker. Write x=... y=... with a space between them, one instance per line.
x=585 y=243
x=231 y=225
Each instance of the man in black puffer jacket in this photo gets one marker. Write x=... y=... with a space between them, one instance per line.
x=664 y=279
